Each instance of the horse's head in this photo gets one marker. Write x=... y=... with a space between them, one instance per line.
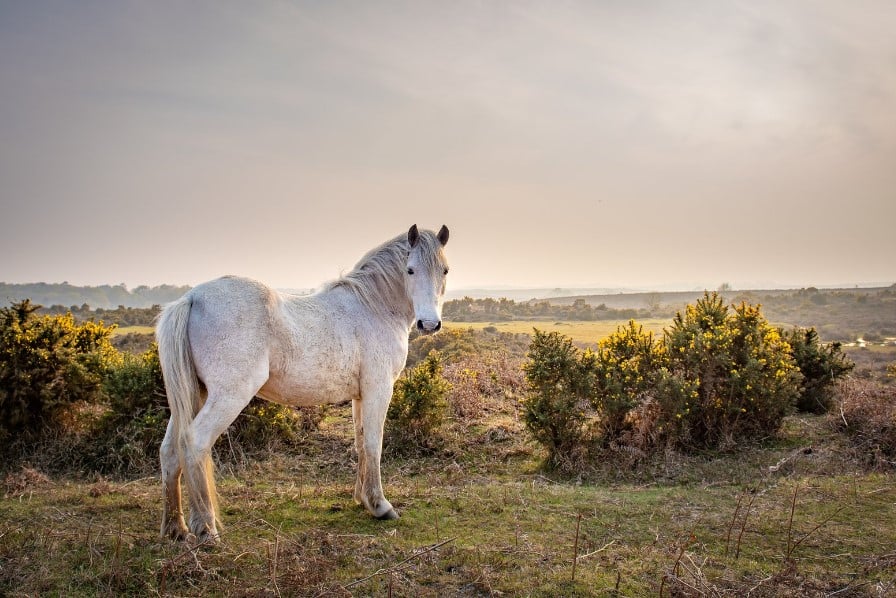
x=425 y=279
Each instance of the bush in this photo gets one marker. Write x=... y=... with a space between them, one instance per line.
x=47 y=364
x=719 y=377
x=821 y=366
x=743 y=378
x=628 y=365
x=867 y=416
x=483 y=382
x=557 y=407
x=419 y=401
x=129 y=434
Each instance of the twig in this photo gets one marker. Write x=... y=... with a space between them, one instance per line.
x=733 y=521
x=816 y=528
x=789 y=551
x=575 y=550
x=601 y=549
x=397 y=566
x=743 y=526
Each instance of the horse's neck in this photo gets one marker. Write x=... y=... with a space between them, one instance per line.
x=399 y=311
x=395 y=311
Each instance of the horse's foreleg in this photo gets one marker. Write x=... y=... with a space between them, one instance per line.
x=173 y=525
x=369 y=439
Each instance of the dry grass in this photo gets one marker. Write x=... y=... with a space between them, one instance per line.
x=867 y=415
x=479 y=518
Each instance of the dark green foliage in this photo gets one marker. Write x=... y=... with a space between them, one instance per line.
x=821 y=365
x=419 y=402
x=47 y=364
x=557 y=407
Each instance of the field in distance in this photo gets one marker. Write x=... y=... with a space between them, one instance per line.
x=122 y=330
x=583 y=332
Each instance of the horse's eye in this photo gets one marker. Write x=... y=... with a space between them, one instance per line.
x=410 y=271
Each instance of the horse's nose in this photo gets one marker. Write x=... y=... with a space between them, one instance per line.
x=428 y=326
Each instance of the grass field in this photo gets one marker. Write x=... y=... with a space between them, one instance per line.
x=479 y=518
x=584 y=332
x=122 y=330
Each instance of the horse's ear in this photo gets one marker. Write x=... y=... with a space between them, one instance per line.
x=443 y=235
x=413 y=236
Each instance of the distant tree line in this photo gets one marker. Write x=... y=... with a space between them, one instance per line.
x=104 y=296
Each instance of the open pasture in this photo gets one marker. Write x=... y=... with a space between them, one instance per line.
x=579 y=331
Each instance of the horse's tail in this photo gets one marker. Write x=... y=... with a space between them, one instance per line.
x=181 y=382
x=182 y=387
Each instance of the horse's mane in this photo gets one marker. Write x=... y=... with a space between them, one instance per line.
x=377 y=280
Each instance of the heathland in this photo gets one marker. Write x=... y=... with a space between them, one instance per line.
x=804 y=511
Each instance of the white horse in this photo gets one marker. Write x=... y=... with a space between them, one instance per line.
x=230 y=339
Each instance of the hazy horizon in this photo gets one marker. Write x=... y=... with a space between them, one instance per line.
x=578 y=144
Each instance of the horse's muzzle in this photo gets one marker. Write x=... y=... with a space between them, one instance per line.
x=429 y=327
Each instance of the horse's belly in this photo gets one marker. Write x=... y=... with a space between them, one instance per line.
x=303 y=388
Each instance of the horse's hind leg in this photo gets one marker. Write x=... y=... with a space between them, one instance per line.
x=220 y=409
x=173 y=525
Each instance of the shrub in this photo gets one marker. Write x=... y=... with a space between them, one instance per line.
x=743 y=378
x=483 y=382
x=47 y=363
x=419 y=401
x=627 y=368
x=821 y=366
x=718 y=377
x=867 y=416
x=129 y=434
x=557 y=406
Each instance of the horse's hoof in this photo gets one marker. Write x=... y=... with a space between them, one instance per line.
x=388 y=515
x=176 y=532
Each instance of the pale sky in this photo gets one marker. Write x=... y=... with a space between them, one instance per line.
x=638 y=144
